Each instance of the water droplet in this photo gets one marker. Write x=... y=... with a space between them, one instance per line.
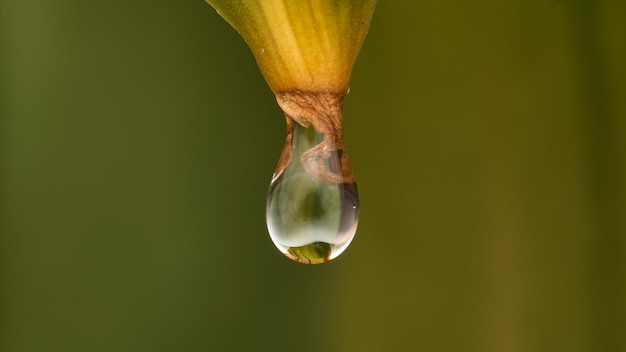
x=312 y=203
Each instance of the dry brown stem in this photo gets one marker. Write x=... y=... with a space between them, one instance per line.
x=322 y=110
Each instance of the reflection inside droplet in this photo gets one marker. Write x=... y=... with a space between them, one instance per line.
x=312 y=203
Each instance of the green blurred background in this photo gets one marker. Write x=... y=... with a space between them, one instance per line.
x=138 y=138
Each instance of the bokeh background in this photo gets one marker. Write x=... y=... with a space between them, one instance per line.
x=138 y=138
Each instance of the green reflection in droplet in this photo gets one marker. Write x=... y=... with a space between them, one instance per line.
x=314 y=253
x=312 y=214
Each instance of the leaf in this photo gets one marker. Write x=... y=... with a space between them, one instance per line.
x=301 y=45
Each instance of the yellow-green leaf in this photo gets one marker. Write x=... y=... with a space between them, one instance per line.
x=304 y=45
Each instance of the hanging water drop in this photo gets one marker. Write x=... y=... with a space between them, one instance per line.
x=312 y=203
